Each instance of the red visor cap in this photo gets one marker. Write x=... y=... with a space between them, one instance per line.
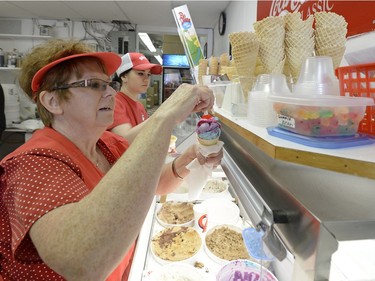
x=110 y=60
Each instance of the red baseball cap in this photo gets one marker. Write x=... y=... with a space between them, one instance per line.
x=110 y=60
x=137 y=61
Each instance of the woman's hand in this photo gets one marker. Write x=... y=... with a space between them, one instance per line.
x=186 y=99
x=212 y=160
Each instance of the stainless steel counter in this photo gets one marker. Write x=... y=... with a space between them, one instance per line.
x=309 y=209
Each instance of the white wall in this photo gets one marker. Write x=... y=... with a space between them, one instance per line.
x=240 y=17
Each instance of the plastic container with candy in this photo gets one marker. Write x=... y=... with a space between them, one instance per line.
x=320 y=115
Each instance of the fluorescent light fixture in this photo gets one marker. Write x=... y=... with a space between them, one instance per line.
x=147 y=41
x=159 y=59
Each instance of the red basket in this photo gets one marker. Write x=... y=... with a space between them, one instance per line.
x=359 y=81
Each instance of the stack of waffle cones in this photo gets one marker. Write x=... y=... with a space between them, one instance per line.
x=229 y=70
x=330 y=36
x=213 y=68
x=202 y=70
x=271 y=34
x=299 y=43
x=245 y=47
x=224 y=63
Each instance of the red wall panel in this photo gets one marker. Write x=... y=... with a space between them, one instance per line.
x=360 y=15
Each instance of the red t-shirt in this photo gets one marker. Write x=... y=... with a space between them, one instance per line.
x=46 y=172
x=128 y=111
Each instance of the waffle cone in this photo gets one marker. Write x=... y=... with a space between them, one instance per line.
x=279 y=67
x=338 y=31
x=238 y=38
x=208 y=142
x=307 y=32
x=271 y=57
x=299 y=42
x=268 y=23
x=246 y=85
x=245 y=64
x=273 y=32
x=323 y=42
x=294 y=22
x=213 y=68
x=224 y=59
x=259 y=69
x=329 y=19
x=202 y=70
x=244 y=52
x=336 y=53
x=230 y=71
x=295 y=58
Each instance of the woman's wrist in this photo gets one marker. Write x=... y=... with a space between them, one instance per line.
x=174 y=170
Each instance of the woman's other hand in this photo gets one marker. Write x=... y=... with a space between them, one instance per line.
x=187 y=99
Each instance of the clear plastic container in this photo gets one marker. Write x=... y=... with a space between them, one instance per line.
x=320 y=115
x=317 y=77
x=260 y=112
x=219 y=89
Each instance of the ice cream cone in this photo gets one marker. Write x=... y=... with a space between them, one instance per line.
x=268 y=23
x=326 y=19
x=208 y=130
x=224 y=59
x=230 y=71
x=213 y=68
x=335 y=52
x=202 y=70
x=208 y=142
x=245 y=47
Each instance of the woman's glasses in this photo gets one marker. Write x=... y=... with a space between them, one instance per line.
x=95 y=84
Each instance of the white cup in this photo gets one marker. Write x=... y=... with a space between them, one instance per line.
x=206 y=80
x=200 y=217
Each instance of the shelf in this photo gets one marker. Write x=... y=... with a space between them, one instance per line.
x=358 y=161
x=10 y=69
x=22 y=36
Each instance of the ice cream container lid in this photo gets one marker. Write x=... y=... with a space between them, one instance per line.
x=322 y=100
x=254 y=244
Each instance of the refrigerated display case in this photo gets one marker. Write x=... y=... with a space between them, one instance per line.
x=309 y=210
x=176 y=70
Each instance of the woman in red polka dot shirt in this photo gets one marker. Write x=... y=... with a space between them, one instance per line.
x=71 y=201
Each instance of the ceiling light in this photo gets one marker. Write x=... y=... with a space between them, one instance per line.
x=147 y=41
x=159 y=59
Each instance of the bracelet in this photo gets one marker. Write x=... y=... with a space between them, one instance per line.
x=177 y=176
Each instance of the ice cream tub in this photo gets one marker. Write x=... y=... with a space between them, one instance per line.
x=224 y=243
x=176 y=244
x=175 y=213
x=221 y=211
x=215 y=187
x=244 y=270
x=320 y=115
